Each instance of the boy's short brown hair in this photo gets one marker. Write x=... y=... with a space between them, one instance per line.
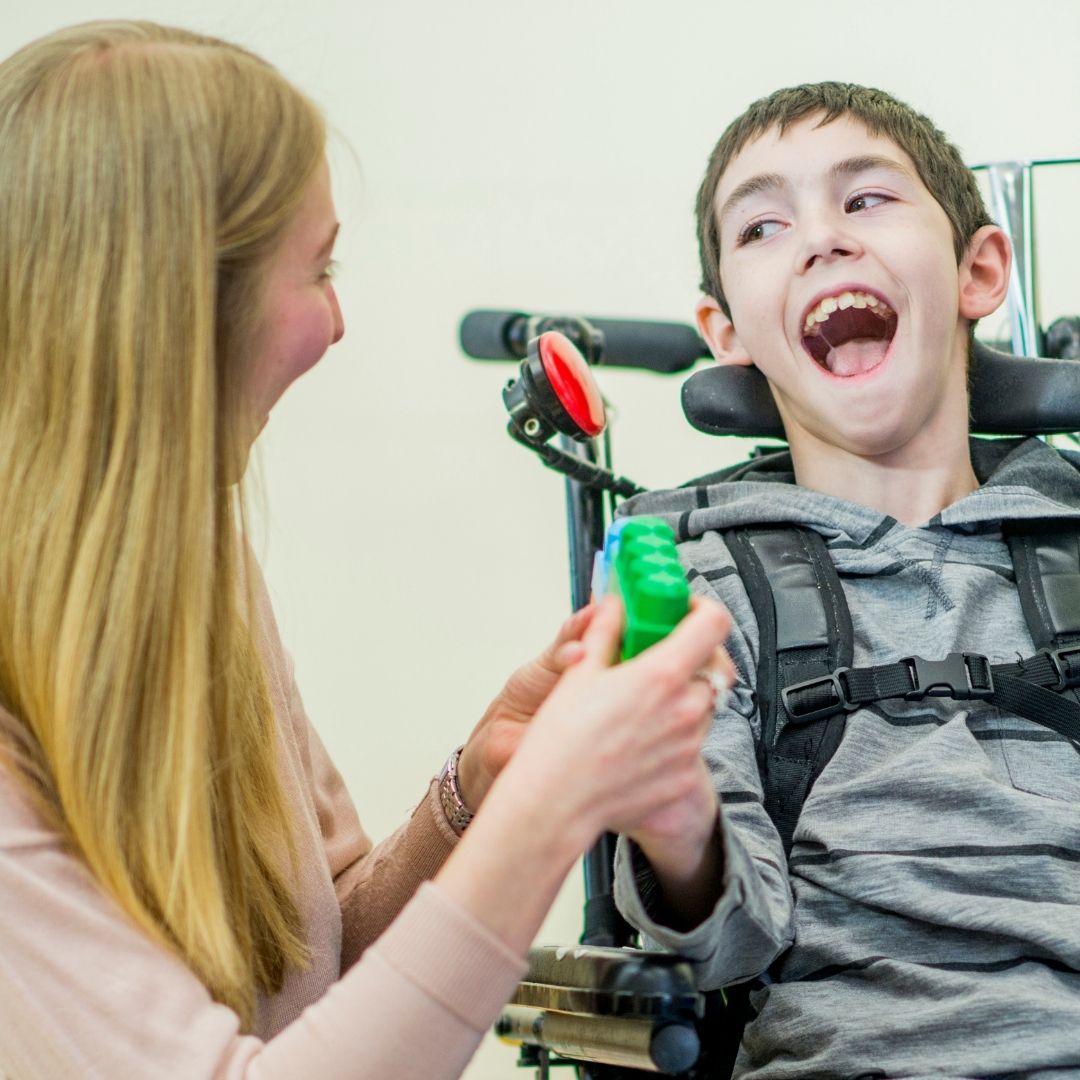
x=937 y=160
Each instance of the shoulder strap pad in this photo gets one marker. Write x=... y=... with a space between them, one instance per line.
x=805 y=633
x=1046 y=558
x=804 y=629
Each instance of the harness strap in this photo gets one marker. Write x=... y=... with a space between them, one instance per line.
x=805 y=632
x=1052 y=710
x=1046 y=558
x=1030 y=687
x=806 y=686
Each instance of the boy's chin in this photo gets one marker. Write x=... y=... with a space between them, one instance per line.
x=868 y=431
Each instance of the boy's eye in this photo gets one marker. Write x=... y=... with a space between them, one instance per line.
x=758 y=230
x=865 y=200
x=330 y=271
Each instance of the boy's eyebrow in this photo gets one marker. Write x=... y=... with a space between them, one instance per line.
x=848 y=167
x=753 y=186
x=867 y=162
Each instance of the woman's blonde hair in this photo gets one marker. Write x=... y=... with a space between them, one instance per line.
x=145 y=174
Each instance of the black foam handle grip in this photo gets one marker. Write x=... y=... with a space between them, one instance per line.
x=490 y=335
x=655 y=346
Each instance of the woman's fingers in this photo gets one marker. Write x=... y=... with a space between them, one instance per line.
x=603 y=634
x=719 y=664
x=629 y=735
x=567 y=655
x=572 y=629
x=576 y=624
x=695 y=643
x=565 y=649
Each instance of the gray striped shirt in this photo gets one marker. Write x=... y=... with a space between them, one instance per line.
x=927 y=922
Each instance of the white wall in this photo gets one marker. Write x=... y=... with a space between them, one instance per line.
x=541 y=156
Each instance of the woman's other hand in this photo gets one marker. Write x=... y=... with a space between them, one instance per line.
x=618 y=743
x=496 y=737
x=613 y=746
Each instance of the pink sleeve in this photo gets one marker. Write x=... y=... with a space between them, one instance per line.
x=414 y=1008
x=85 y=994
x=373 y=884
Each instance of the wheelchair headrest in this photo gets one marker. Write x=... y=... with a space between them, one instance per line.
x=1010 y=395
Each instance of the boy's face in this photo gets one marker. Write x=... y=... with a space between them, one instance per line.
x=839 y=269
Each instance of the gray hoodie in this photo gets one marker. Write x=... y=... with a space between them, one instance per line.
x=927 y=922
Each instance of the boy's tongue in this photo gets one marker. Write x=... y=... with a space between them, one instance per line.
x=856 y=356
x=852 y=340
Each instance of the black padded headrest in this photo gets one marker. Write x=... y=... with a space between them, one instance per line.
x=1010 y=395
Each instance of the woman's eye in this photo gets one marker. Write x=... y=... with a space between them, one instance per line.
x=330 y=271
x=758 y=230
x=865 y=201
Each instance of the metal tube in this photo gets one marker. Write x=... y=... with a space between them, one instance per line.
x=1013 y=204
x=585 y=524
x=602 y=1039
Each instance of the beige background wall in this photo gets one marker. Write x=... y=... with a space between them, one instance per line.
x=540 y=156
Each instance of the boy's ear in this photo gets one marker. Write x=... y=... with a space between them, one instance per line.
x=984 y=272
x=719 y=333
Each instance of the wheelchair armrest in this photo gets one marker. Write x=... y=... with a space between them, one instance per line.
x=611 y=982
x=619 y=1007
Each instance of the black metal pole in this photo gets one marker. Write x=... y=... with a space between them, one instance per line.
x=585 y=521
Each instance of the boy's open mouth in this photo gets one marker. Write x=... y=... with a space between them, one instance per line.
x=849 y=333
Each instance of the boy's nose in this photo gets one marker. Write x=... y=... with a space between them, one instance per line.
x=825 y=242
x=828 y=256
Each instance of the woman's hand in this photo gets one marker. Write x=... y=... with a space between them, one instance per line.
x=496 y=737
x=612 y=747
x=620 y=743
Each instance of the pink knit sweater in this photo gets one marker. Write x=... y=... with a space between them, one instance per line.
x=84 y=994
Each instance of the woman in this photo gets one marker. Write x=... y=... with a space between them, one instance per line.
x=184 y=887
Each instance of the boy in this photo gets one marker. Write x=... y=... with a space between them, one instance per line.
x=927 y=918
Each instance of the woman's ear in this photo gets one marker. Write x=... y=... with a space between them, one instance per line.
x=719 y=333
x=984 y=272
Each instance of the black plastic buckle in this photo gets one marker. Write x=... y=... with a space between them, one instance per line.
x=949 y=677
x=1065 y=681
x=833 y=681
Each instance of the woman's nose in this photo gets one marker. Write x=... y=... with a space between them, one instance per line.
x=339 y=321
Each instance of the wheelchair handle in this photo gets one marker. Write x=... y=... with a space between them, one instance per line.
x=665 y=347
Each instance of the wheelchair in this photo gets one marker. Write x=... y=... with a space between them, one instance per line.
x=605 y=1009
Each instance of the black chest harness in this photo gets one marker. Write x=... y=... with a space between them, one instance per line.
x=806 y=685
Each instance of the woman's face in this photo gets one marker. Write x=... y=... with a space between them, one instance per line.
x=301 y=317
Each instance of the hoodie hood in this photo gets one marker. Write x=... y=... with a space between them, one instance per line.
x=1021 y=479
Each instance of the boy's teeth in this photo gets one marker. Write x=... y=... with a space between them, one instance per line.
x=842 y=302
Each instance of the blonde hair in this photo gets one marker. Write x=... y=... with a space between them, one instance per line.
x=145 y=174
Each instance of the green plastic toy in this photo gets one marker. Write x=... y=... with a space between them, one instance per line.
x=644 y=570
